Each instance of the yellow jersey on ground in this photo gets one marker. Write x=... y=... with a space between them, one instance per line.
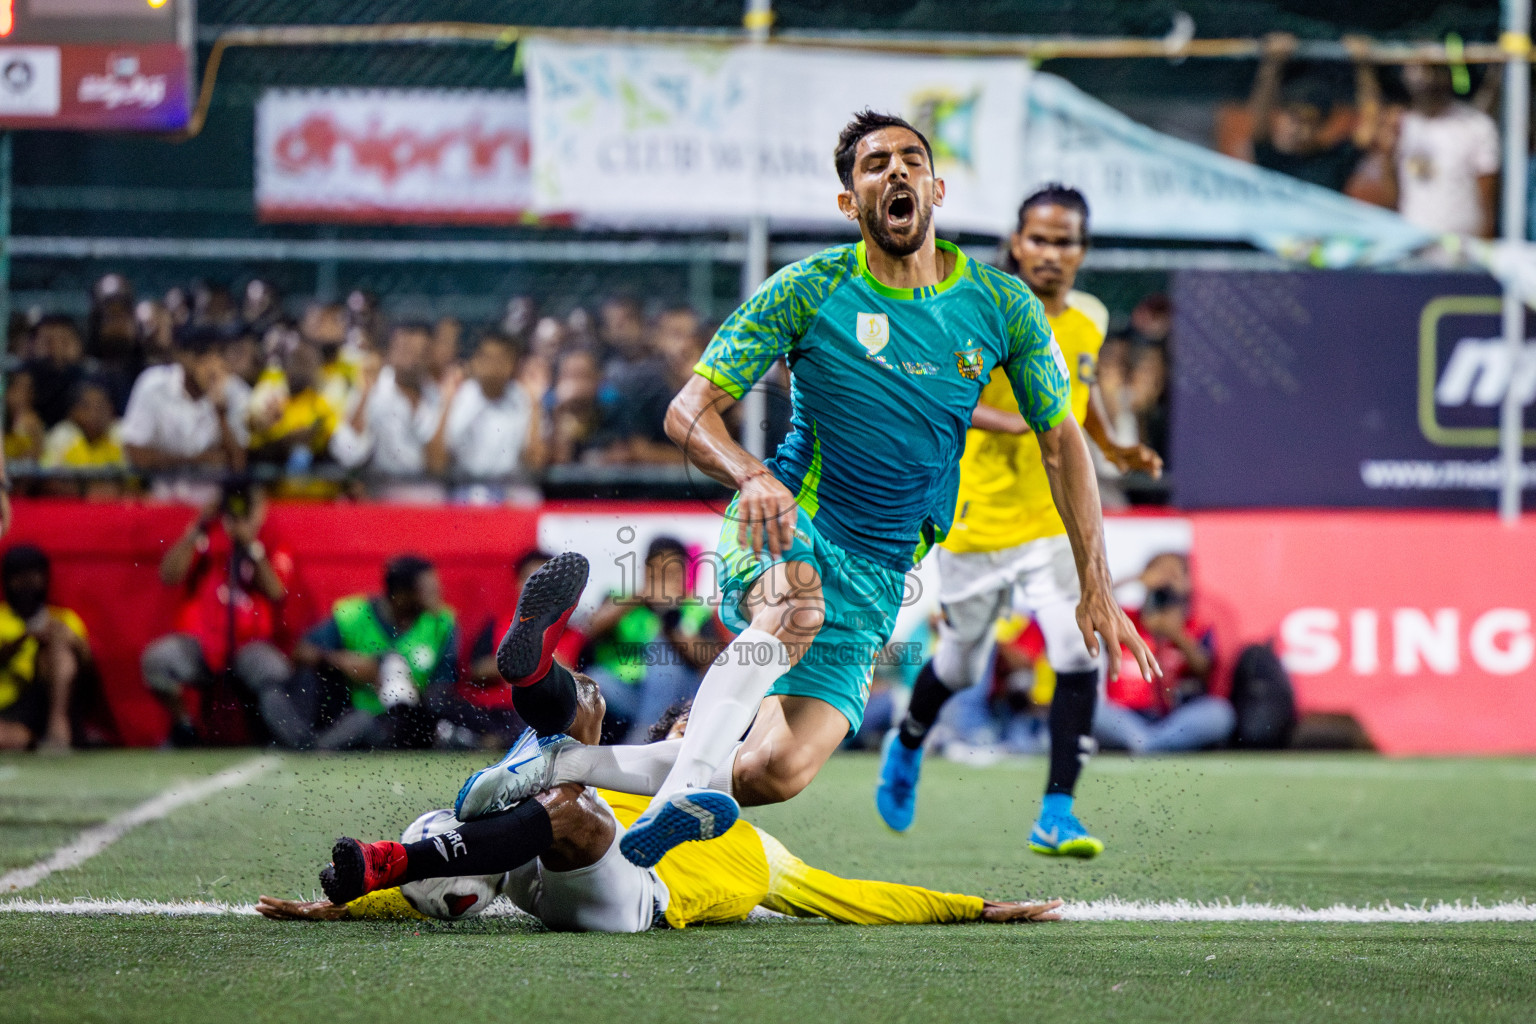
x=712 y=882
x=21 y=670
x=1005 y=497
x=720 y=881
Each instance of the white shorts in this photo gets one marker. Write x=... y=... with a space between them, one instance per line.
x=1043 y=572
x=612 y=895
x=976 y=588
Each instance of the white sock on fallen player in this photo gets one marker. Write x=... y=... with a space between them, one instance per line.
x=723 y=708
x=638 y=768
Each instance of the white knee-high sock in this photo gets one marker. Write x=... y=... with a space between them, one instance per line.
x=638 y=768
x=723 y=708
x=724 y=778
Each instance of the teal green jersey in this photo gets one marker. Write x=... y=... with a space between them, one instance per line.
x=883 y=381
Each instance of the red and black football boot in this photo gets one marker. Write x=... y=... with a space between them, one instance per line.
x=545 y=605
x=358 y=868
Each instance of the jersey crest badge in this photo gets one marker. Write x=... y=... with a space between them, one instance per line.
x=969 y=363
x=873 y=331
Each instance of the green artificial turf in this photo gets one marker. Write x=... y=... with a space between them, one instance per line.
x=1288 y=829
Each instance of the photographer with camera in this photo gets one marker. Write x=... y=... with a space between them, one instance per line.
x=233 y=585
x=1183 y=710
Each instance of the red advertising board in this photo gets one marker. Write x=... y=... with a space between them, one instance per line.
x=95 y=86
x=394 y=156
x=1420 y=625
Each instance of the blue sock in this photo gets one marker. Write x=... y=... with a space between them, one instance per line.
x=1056 y=803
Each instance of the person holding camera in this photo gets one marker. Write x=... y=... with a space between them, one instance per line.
x=1183 y=710
x=233 y=585
x=379 y=670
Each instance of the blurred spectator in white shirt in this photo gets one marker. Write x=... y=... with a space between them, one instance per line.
x=398 y=410
x=1447 y=166
x=494 y=428
x=188 y=413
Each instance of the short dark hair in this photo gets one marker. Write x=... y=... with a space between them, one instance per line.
x=516 y=346
x=668 y=719
x=1052 y=193
x=666 y=546
x=199 y=341
x=867 y=122
x=58 y=320
x=81 y=387
x=402 y=572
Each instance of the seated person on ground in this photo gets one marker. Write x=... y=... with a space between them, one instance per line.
x=43 y=650
x=1185 y=710
x=556 y=856
x=649 y=649
x=231 y=582
x=379 y=671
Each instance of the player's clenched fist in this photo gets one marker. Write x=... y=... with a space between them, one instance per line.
x=765 y=514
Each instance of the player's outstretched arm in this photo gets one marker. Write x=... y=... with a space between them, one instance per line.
x=765 y=509
x=1076 y=492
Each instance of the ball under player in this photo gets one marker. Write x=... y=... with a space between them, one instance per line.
x=580 y=882
x=890 y=342
x=1008 y=537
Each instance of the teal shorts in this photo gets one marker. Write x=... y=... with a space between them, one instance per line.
x=861 y=598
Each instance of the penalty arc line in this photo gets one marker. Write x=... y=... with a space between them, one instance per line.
x=1106 y=910
x=93 y=840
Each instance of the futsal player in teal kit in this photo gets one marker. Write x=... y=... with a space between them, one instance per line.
x=889 y=342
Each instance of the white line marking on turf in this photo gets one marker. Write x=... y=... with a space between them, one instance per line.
x=98 y=837
x=1386 y=913
x=1096 y=910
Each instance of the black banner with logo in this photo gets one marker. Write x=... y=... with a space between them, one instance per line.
x=1342 y=388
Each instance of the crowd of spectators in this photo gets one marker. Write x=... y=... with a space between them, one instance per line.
x=195 y=384
x=1416 y=147
x=172 y=395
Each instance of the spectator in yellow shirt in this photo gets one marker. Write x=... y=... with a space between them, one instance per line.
x=87 y=439
x=42 y=651
x=293 y=417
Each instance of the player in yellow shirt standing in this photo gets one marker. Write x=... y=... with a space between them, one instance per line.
x=1008 y=536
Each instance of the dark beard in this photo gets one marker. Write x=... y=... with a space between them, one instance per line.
x=874 y=223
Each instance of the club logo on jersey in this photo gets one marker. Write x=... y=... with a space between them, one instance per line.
x=1087 y=369
x=969 y=363
x=873 y=331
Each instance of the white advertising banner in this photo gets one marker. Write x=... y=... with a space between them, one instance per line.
x=392 y=155
x=707 y=133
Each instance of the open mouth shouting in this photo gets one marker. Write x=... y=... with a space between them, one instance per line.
x=901 y=210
